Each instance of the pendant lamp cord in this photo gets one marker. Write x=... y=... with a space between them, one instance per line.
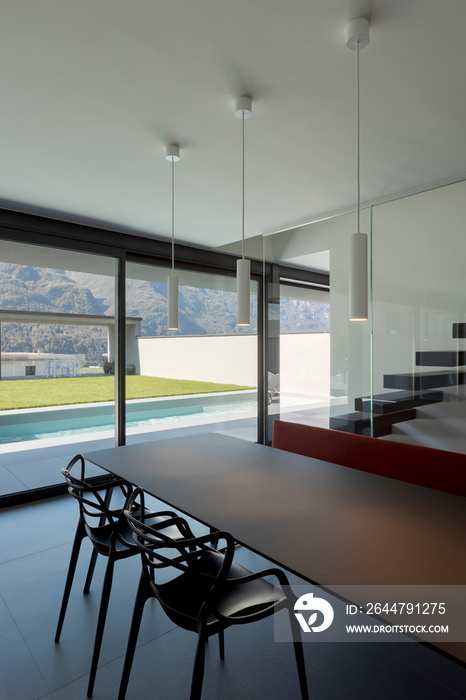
x=358 y=141
x=173 y=216
x=242 y=193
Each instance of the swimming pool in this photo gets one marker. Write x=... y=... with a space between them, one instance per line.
x=61 y=421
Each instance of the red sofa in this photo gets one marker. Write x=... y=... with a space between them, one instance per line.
x=436 y=469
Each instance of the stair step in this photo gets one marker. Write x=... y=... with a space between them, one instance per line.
x=459 y=330
x=441 y=358
x=407 y=439
x=396 y=401
x=432 y=433
x=418 y=381
x=360 y=422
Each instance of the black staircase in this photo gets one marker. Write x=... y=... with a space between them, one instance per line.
x=418 y=381
x=441 y=358
x=399 y=406
x=459 y=330
x=360 y=422
x=397 y=401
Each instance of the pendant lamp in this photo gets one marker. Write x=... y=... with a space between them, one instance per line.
x=173 y=155
x=243 y=110
x=357 y=37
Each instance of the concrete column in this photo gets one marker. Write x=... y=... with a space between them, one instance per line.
x=111 y=343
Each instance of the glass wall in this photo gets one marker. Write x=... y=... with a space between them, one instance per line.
x=61 y=359
x=401 y=374
x=419 y=314
x=201 y=378
x=324 y=247
x=57 y=329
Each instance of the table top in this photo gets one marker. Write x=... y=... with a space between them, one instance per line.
x=329 y=524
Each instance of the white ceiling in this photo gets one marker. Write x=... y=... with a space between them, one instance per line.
x=93 y=91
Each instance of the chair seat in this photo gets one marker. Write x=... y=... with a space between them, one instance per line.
x=235 y=599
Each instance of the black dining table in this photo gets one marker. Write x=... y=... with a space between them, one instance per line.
x=327 y=523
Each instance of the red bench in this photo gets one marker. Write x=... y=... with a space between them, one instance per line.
x=436 y=469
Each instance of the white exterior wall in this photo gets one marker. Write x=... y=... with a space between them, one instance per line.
x=304 y=360
x=17 y=368
x=14 y=364
x=226 y=359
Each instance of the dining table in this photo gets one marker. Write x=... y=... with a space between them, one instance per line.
x=329 y=524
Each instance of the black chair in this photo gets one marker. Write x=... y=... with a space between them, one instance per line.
x=207 y=593
x=102 y=501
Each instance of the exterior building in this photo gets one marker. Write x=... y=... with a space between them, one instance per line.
x=21 y=365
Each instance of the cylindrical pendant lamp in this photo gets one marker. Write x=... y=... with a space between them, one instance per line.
x=243 y=110
x=357 y=37
x=173 y=155
x=172 y=302
x=358 y=277
x=243 y=285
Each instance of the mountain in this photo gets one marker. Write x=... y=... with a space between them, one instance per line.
x=201 y=311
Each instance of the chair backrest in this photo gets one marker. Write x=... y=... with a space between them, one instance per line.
x=101 y=501
x=184 y=552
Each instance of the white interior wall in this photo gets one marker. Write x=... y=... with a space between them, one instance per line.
x=305 y=364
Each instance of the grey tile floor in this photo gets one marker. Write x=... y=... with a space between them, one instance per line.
x=35 y=547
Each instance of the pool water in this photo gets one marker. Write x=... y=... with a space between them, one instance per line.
x=144 y=416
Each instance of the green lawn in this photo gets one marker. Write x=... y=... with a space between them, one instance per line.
x=34 y=393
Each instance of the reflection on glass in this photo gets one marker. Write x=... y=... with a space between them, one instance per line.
x=304 y=355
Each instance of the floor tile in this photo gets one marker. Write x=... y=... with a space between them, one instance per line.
x=37 y=527
x=19 y=675
x=9 y=483
x=40 y=472
x=24 y=452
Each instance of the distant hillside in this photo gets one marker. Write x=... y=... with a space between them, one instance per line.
x=202 y=311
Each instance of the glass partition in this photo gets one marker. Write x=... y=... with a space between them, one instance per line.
x=201 y=378
x=400 y=375
x=324 y=246
x=419 y=338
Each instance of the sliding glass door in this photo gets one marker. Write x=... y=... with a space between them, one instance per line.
x=200 y=378
x=57 y=339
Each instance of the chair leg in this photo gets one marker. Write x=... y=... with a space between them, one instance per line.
x=106 y=588
x=221 y=644
x=90 y=572
x=142 y=595
x=299 y=655
x=198 y=670
x=78 y=538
